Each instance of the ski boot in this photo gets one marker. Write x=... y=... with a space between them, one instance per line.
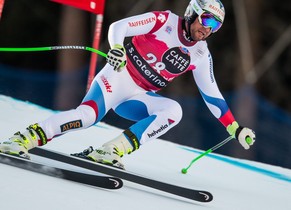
x=111 y=152
x=20 y=143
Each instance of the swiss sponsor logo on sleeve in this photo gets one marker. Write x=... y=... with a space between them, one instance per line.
x=177 y=59
x=71 y=125
x=142 y=22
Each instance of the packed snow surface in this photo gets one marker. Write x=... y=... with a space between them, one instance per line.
x=236 y=184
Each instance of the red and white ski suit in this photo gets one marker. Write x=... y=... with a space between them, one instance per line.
x=157 y=53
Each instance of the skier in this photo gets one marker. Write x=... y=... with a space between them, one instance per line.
x=163 y=46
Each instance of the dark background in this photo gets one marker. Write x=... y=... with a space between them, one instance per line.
x=251 y=52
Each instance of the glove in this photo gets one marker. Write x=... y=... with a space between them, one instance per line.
x=116 y=57
x=245 y=136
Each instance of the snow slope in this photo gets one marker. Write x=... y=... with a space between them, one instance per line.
x=236 y=184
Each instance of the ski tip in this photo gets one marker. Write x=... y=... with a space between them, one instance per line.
x=205 y=196
x=116 y=183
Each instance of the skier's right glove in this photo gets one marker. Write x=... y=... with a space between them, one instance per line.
x=116 y=57
x=245 y=136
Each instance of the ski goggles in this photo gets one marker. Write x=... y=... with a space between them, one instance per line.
x=208 y=20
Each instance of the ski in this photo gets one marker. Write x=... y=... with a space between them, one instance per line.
x=195 y=195
x=83 y=178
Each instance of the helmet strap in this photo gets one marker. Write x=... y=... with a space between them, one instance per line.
x=187 y=24
x=187 y=29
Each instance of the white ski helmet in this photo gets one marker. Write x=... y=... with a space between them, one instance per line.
x=198 y=7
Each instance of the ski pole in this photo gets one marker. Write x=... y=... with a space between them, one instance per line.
x=68 y=47
x=184 y=170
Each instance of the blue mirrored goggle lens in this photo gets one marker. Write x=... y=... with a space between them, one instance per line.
x=209 y=20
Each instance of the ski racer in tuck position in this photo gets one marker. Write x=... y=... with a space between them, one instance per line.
x=163 y=46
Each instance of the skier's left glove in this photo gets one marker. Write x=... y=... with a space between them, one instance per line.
x=116 y=57
x=245 y=136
